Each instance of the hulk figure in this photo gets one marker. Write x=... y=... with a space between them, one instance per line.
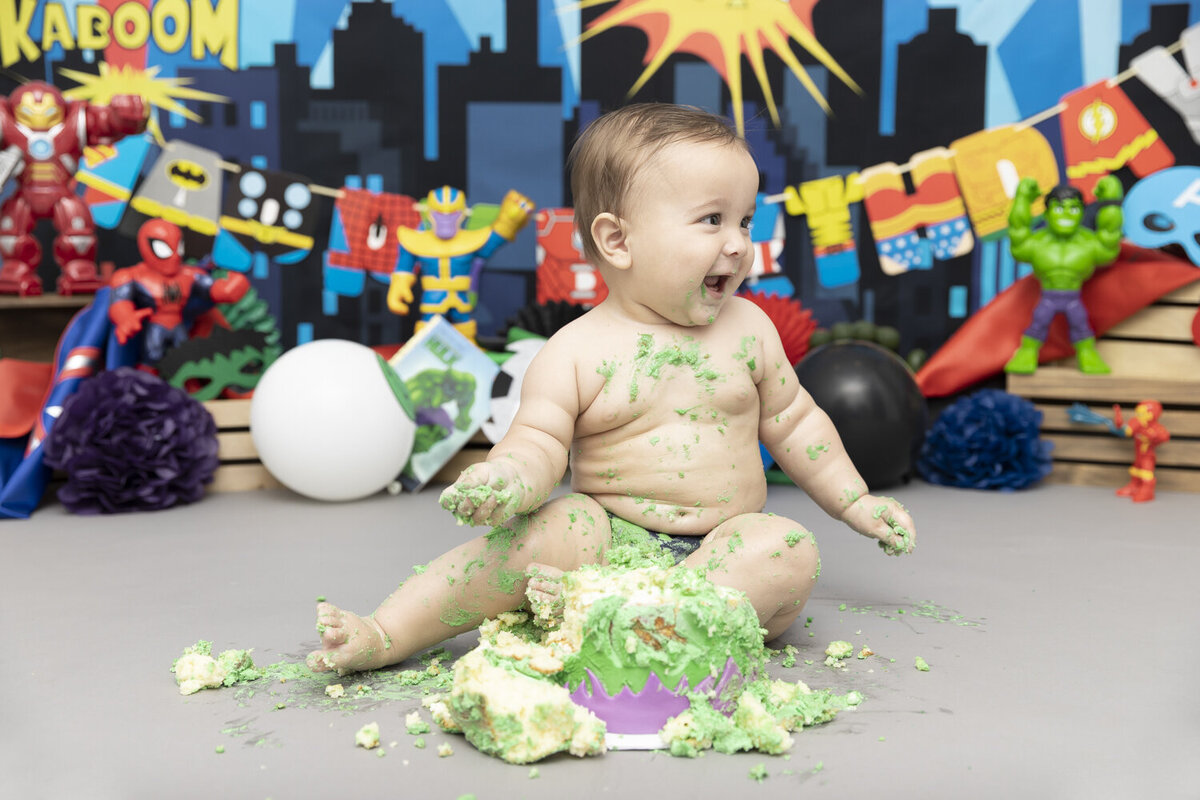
x=1063 y=255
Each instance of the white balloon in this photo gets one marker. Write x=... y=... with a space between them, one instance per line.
x=326 y=423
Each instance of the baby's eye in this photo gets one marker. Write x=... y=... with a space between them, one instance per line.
x=712 y=219
x=746 y=222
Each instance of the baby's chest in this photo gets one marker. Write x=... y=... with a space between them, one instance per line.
x=675 y=383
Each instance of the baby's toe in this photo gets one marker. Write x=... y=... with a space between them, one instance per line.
x=320 y=661
x=331 y=625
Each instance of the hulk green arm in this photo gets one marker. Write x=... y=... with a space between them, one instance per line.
x=1109 y=220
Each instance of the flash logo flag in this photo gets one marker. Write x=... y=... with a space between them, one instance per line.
x=1102 y=131
x=269 y=212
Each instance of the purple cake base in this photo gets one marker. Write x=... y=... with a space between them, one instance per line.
x=647 y=711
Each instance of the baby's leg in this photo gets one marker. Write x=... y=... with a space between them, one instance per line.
x=772 y=559
x=460 y=589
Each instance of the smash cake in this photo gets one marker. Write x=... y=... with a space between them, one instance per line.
x=631 y=657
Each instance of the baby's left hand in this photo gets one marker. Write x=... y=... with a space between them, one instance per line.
x=883 y=518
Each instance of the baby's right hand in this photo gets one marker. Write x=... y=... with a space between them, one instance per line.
x=484 y=494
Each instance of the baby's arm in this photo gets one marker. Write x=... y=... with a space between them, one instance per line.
x=806 y=446
x=523 y=468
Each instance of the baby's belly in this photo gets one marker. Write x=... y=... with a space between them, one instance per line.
x=679 y=491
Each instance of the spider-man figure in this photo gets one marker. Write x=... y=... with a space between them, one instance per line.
x=162 y=295
x=42 y=137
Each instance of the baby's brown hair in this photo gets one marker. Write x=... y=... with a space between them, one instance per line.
x=608 y=154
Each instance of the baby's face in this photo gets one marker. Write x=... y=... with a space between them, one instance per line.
x=688 y=230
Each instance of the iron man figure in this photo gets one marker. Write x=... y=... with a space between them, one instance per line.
x=1147 y=434
x=162 y=296
x=42 y=138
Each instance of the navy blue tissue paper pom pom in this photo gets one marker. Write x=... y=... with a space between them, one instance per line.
x=986 y=440
x=128 y=441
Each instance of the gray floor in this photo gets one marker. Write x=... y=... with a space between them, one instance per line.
x=1060 y=625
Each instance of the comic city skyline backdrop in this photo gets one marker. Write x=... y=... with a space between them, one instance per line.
x=487 y=95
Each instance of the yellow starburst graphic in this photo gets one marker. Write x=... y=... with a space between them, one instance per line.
x=721 y=32
x=164 y=93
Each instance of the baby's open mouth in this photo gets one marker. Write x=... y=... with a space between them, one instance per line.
x=716 y=283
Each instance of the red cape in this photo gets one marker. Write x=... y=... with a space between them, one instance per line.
x=985 y=342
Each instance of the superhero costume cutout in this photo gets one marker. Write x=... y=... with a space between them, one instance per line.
x=935 y=206
x=42 y=141
x=767 y=240
x=989 y=165
x=826 y=202
x=1180 y=88
x=161 y=297
x=1103 y=131
x=108 y=175
x=364 y=238
x=1063 y=254
x=269 y=212
x=184 y=187
x=563 y=273
x=449 y=258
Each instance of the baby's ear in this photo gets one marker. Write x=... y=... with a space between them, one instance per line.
x=608 y=232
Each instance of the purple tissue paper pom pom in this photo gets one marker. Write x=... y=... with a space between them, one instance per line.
x=128 y=441
x=987 y=440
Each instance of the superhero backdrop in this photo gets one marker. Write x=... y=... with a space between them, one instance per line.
x=890 y=134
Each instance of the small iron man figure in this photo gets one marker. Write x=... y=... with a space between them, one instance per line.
x=162 y=296
x=450 y=259
x=1147 y=434
x=42 y=138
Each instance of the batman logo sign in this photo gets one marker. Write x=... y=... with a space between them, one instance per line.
x=187 y=174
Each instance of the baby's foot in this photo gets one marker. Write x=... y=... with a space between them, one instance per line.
x=349 y=643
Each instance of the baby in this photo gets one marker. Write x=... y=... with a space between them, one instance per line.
x=657 y=399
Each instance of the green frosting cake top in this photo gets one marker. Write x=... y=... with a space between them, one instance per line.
x=627 y=624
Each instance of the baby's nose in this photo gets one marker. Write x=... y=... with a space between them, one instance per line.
x=736 y=246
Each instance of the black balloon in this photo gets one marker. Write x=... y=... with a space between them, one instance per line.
x=872 y=397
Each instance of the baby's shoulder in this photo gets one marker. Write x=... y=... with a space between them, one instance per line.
x=575 y=342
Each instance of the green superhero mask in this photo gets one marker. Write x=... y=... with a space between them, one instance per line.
x=227 y=362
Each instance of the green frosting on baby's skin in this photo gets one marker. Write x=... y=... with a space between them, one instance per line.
x=477 y=495
x=649 y=362
x=899 y=531
x=815 y=451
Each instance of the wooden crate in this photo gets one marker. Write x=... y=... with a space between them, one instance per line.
x=1152 y=358
x=239 y=470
